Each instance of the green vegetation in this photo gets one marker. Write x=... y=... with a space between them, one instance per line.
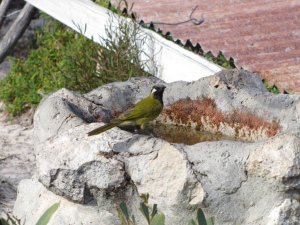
x=153 y=217
x=116 y=9
x=151 y=214
x=67 y=59
x=10 y=220
x=201 y=220
x=43 y=220
x=220 y=60
x=63 y=59
x=104 y=3
x=122 y=56
x=271 y=88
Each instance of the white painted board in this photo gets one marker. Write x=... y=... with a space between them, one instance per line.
x=173 y=62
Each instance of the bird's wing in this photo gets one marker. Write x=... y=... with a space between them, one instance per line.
x=144 y=108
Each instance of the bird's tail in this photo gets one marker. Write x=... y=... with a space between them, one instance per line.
x=104 y=128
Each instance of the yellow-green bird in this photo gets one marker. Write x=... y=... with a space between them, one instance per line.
x=140 y=114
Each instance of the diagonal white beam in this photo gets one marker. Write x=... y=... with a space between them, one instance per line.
x=173 y=62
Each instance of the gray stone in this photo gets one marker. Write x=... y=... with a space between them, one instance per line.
x=225 y=178
x=34 y=199
x=237 y=193
x=59 y=112
x=82 y=165
x=235 y=182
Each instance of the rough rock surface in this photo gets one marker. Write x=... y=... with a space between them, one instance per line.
x=236 y=182
x=17 y=161
x=38 y=199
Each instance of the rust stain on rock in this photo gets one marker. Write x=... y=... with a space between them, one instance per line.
x=204 y=115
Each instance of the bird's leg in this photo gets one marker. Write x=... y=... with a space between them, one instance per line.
x=147 y=129
x=144 y=128
x=140 y=128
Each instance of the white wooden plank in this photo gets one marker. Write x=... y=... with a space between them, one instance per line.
x=173 y=62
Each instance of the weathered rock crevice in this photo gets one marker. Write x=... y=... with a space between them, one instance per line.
x=78 y=184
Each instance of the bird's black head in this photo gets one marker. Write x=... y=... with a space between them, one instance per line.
x=157 y=91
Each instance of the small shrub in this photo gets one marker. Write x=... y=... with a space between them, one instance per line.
x=104 y=3
x=10 y=220
x=271 y=88
x=153 y=217
x=124 y=216
x=63 y=59
x=151 y=214
x=67 y=59
x=122 y=55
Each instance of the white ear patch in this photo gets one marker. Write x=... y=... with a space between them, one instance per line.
x=153 y=90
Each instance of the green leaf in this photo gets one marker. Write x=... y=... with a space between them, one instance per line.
x=3 y=222
x=201 y=218
x=124 y=209
x=10 y=220
x=154 y=210
x=192 y=222
x=45 y=218
x=145 y=198
x=158 y=219
x=145 y=211
x=122 y=217
x=210 y=221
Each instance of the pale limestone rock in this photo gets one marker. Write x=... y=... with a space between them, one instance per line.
x=60 y=111
x=165 y=174
x=288 y=212
x=34 y=199
x=71 y=163
x=277 y=158
x=237 y=183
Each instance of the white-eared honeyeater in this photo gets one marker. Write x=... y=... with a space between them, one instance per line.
x=140 y=114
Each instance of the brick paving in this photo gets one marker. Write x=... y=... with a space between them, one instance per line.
x=261 y=35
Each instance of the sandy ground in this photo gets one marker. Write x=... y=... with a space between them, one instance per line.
x=17 y=160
